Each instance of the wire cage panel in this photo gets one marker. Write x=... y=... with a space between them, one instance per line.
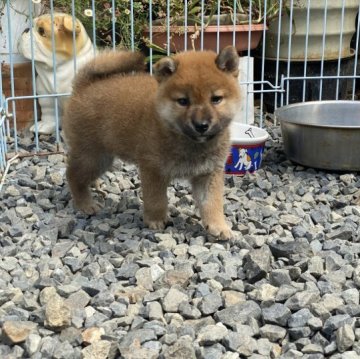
x=275 y=39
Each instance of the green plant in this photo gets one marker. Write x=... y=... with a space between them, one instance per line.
x=207 y=10
x=197 y=11
x=103 y=18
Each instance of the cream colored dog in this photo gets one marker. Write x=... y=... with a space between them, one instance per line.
x=63 y=47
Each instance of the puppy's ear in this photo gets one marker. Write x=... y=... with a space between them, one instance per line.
x=70 y=26
x=164 y=68
x=228 y=60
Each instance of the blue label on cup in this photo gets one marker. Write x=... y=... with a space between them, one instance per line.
x=244 y=159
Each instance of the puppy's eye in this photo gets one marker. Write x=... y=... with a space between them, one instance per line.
x=215 y=100
x=183 y=101
x=41 y=31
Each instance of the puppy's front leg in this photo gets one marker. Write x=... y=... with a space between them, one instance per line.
x=154 y=188
x=208 y=192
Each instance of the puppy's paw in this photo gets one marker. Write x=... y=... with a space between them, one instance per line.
x=221 y=231
x=90 y=207
x=44 y=128
x=156 y=225
x=98 y=189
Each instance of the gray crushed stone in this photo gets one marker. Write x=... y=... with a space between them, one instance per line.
x=104 y=286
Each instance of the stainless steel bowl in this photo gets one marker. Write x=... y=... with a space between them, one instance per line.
x=322 y=134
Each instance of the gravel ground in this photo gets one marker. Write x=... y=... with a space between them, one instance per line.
x=73 y=286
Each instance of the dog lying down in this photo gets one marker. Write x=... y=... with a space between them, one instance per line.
x=174 y=124
x=65 y=50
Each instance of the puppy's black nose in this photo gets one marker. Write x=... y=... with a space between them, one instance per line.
x=26 y=30
x=201 y=127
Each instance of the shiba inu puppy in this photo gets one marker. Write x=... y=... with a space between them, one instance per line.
x=68 y=40
x=174 y=124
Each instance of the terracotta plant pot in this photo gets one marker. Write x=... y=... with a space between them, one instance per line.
x=177 y=36
x=22 y=87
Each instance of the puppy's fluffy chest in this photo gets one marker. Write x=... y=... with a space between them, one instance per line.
x=183 y=159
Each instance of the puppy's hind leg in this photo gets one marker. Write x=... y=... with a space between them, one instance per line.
x=81 y=172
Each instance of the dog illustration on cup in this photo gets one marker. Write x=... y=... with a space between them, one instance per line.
x=244 y=161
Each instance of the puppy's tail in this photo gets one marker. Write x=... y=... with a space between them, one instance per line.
x=109 y=63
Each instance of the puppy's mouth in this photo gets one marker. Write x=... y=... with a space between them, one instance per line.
x=201 y=137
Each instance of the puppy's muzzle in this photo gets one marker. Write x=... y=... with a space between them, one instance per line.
x=201 y=120
x=26 y=30
x=201 y=127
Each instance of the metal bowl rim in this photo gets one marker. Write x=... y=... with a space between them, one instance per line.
x=311 y=103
